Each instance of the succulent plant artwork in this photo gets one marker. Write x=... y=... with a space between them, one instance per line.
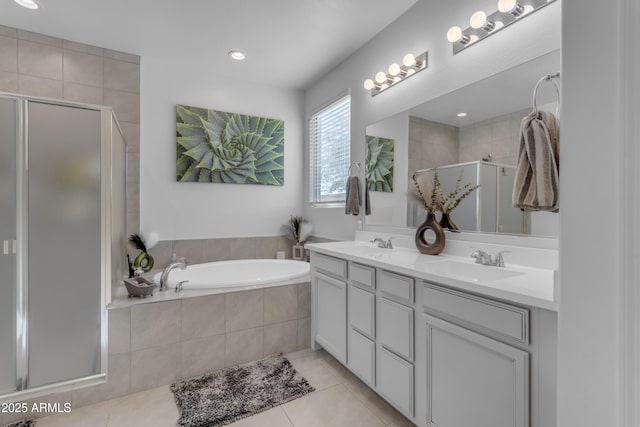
x=219 y=147
x=380 y=164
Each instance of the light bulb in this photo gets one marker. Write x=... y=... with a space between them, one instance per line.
x=381 y=77
x=384 y=86
x=409 y=60
x=454 y=34
x=237 y=55
x=463 y=114
x=394 y=69
x=528 y=8
x=29 y=4
x=396 y=79
x=506 y=6
x=473 y=38
x=499 y=24
x=410 y=71
x=369 y=84
x=478 y=19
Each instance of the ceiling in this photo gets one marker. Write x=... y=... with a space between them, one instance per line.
x=508 y=91
x=288 y=43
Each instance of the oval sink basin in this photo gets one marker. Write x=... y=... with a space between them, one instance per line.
x=471 y=272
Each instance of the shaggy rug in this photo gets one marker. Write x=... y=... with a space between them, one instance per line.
x=223 y=397
x=22 y=423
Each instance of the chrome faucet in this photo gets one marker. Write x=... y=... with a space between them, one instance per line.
x=484 y=258
x=382 y=243
x=164 y=277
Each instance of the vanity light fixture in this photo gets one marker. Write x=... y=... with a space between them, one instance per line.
x=482 y=25
x=396 y=73
x=29 y=4
x=237 y=55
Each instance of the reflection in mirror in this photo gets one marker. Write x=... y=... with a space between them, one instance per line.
x=483 y=143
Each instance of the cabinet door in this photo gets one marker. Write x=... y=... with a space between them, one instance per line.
x=331 y=315
x=473 y=380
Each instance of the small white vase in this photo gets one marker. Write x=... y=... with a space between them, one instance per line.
x=298 y=252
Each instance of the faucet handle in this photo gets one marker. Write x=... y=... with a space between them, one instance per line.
x=389 y=245
x=499 y=260
x=179 y=285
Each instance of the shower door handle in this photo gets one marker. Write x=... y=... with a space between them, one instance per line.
x=9 y=247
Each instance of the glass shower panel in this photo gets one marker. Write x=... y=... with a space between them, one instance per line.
x=8 y=112
x=64 y=243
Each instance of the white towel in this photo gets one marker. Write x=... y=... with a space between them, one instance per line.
x=537 y=175
x=352 y=203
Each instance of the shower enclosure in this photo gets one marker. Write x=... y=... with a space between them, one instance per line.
x=62 y=229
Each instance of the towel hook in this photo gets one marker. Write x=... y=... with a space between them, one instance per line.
x=357 y=165
x=547 y=78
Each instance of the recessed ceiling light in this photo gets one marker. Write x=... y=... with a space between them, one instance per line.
x=29 y=4
x=237 y=55
x=461 y=114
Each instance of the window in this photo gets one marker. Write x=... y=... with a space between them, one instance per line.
x=330 y=152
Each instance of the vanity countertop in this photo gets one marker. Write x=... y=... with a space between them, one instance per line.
x=535 y=287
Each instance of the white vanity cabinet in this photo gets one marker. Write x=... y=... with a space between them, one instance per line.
x=474 y=379
x=442 y=356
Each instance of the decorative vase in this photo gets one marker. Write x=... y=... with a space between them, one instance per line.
x=144 y=261
x=435 y=247
x=446 y=222
x=298 y=252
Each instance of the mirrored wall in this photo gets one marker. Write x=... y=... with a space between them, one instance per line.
x=474 y=131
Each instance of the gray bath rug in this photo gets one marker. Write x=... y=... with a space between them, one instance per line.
x=22 y=423
x=223 y=397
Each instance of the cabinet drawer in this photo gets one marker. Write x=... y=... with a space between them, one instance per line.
x=329 y=265
x=395 y=327
x=362 y=356
x=396 y=286
x=478 y=313
x=362 y=274
x=395 y=380
x=361 y=311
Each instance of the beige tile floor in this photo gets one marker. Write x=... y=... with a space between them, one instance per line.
x=340 y=400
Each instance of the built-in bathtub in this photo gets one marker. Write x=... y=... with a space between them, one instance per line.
x=229 y=313
x=237 y=273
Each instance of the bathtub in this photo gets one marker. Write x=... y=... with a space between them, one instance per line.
x=237 y=273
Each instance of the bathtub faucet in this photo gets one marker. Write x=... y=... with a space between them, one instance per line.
x=164 y=278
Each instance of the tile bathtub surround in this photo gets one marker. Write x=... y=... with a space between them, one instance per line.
x=154 y=344
x=38 y=65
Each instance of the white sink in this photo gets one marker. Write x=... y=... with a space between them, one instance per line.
x=471 y=272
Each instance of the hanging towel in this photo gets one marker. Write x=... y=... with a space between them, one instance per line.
x=367 y=201
x=352 y=204
x=537 y=173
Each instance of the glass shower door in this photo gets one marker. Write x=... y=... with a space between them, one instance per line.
x=64 y=242
x=8 y=137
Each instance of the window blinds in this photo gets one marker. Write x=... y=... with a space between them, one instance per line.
x=330 y=151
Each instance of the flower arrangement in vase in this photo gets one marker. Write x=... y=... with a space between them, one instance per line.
x=429 y=193
x=143 y=263
x=298 y=229
x=451 y=201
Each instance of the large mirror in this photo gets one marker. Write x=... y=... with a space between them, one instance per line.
x=473 y=132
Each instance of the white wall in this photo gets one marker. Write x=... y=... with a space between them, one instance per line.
x=203 y=210
x=591 y=366
x=423 y=27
